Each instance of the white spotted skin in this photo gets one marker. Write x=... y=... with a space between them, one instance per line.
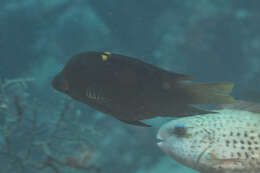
x=225 y=142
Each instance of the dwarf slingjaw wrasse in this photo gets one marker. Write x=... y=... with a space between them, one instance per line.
x=132 y=90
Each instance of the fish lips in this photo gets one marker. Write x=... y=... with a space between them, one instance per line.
x=163 y=143
x=166 y=140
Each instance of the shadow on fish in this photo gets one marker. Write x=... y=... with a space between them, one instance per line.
x=131 y=90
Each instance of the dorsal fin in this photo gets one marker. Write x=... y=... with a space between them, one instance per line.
x=243 y=105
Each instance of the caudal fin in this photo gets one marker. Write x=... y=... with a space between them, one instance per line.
x=210 y=93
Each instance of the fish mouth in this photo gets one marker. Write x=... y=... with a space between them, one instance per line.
x=161 y=140
x=164 y=145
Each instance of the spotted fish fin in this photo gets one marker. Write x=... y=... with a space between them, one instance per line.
x=137 y=123
x=243 y=105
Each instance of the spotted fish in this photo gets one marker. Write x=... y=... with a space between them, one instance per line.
x=132 y=90
x=227 y=142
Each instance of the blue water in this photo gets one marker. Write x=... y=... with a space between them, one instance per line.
x=209 y=40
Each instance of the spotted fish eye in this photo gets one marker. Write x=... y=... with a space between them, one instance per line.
x=180 y=130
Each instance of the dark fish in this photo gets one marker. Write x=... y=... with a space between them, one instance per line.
x=132 y=90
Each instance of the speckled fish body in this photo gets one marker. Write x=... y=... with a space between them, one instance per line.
x=227 y=142
x=132 y=90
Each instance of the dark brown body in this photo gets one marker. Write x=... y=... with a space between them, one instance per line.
x=127 y=88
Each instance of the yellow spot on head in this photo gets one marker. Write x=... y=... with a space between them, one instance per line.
x=104 y=57
x=107 y=53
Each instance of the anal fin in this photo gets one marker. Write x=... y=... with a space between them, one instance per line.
x=187 y=110
x=137 y=123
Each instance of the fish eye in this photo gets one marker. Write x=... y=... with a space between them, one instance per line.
x=180 y=130
x=105 y=56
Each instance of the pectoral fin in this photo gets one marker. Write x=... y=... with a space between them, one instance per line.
x=224 y=163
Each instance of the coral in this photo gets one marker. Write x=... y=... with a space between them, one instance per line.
x=29 y=145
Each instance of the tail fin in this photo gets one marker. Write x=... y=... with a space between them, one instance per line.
x=210 y=93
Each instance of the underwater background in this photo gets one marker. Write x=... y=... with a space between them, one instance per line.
x=44 y=131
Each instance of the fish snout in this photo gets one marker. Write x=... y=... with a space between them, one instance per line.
x=60 y=83
x=162 y=142
x=162 y=136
